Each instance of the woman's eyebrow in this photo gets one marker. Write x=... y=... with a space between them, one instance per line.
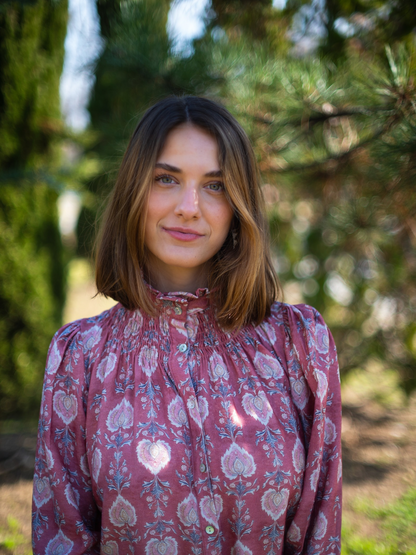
x=215 y=173
x=169 y=168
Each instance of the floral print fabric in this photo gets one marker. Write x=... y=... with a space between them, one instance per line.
x=167 y=435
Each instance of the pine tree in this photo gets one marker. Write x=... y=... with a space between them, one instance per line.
x=336 y=144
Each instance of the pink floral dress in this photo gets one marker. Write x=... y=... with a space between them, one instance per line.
x=168 y=435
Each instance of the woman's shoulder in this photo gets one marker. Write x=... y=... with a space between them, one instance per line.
x=297 y=317
x=301 y=325
x=83 y=333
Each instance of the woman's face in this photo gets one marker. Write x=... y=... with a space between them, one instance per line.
x=188 y=214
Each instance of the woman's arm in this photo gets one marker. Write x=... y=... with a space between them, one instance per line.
x=315 y=387
x=65 y=518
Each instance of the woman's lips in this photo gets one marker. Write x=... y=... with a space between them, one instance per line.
x=182 y=234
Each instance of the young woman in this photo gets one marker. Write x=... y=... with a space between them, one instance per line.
x=199 y=415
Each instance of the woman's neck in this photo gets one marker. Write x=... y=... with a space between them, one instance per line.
x=177 y=279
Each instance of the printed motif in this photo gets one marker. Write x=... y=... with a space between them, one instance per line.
x=322 y=339
x=59 y=544
x=294 y=534
x=275 y=502
x=154 y=455
x=217 y=368
x=167 y=546
x=54 y=360
x=176 y=412
x=226 y=446
x=106 y=366
x=122 y=512
x=267 y=366
x=72 y=496
x=300 y=392
x=237 y=462
x=258 y=406
x=110 y=548
x=211 y=508
x=240 y=549
x=148 y=360
x=188 y=511
x=66 y=406
x=41 y=490
x=120 y=417
x=96 y=464
x=298 y=456
x=320 y=526
x=91 y=337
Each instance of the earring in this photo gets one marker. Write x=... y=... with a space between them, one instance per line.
x=234 y=236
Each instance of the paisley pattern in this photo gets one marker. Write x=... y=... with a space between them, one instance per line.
x=258 y=406
x=66 y=406
x=106 y=366
x=237 y=462
x=275 y=502
x=166 y=546
x=41 y=491
x=188 y=511
x=122 y=513
x=121 y=417
x=211 y=507
x=168 y=435
x=60 y=544
x=154 y=455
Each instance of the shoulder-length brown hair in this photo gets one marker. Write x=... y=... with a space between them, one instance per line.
x=242 y=280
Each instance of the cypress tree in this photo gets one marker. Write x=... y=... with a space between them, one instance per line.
x=31 y=263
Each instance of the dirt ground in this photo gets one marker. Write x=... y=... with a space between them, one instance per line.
x=379 y=445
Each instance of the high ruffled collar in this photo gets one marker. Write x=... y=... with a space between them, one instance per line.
x=201 y=294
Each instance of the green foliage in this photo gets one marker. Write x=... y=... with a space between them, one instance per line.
x=336 y=147
x=31 y=55
x=12 y=538
x=139 y=55
x=31 y=292
x=32 y=284
x=398 y=526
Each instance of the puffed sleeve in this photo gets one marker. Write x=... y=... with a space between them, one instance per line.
x=315 y=389
x=65 y=518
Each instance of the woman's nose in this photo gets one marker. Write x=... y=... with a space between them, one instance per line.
x=188 y=203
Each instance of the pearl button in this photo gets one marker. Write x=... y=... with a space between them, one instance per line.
x=203 y=468
x=182 y=347
x=178 y=310
x=209 y=529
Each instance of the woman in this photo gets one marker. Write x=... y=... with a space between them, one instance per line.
x=198 y=415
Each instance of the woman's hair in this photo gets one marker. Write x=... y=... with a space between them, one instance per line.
x=242 y=281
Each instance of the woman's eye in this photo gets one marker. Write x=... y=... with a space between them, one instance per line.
x=216 y=186
x=165 y=179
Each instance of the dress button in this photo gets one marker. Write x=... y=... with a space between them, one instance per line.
x=203 y=468
x=178 y=310
x=182 y=347
x=209 y=529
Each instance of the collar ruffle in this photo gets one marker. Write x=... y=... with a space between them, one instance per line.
x=202 y=295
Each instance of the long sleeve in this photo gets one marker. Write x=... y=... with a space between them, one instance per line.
x=65 y=516
x=315 y=387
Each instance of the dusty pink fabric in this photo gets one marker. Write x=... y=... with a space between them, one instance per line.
x=169 y=436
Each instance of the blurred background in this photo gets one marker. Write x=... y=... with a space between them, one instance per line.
x=326 y=90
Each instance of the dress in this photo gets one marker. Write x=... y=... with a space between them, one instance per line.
x=168 y=435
